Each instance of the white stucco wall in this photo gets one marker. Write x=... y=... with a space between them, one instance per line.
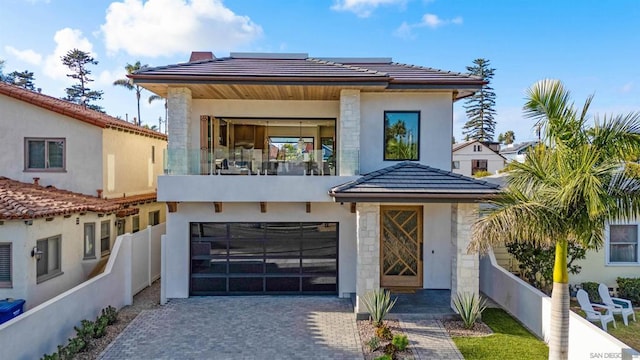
x=127 y=165
x=178 y=242
x=466 y=154
x=436 y=123
x=83 y=146
x=74 y=268
x=595 y=269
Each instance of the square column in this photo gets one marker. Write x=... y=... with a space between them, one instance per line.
x=349 y=133
x=179 y=118
x=465 y=266
x=368 y=248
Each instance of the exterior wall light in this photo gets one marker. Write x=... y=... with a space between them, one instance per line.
x=36 y=253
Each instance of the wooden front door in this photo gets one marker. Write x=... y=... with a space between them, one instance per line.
x=401 y=246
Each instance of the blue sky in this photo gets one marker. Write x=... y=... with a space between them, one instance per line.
x=593 y=46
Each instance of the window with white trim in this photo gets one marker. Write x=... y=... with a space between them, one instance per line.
x=44 y=154
x=5 y=265
x=455 y=164
x=49 y=264
x=105 y=237
x=477 y=148
x=623 y=243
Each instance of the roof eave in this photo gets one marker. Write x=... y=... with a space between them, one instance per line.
x=413 y=197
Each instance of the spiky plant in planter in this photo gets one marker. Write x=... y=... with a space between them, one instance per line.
x=378 y=304
x=470 y=307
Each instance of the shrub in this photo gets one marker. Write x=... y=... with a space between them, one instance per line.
x=629 y=288
x=390 y=350
x=536 y=262
x=85 y=333
x=383 y=332
x=384 y=357
x=592 y=289
x=101 y=327
x=470 y=307
x=111 y=314
x=378 y=304
x=400 y=342
x=373 y=343
x=481 y=173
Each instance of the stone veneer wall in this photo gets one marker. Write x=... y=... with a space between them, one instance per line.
x=179 y=118
x=368 y=251
x=465 y=267
x=349 y=133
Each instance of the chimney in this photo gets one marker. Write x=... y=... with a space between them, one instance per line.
x=99 y=191
x=35 y=181
x=201 y=56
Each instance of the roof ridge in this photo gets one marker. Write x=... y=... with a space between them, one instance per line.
x=437 y=70
x=347 y=66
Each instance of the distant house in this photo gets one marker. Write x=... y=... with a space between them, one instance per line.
x=472 y=156
x=56 y=143
x=517 y=152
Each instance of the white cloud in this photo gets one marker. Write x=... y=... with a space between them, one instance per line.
x=405 y=30
x=363 y=8
x=65 y=39
x=107 y=77
x=626 y=88
x=29 y=56
x=169 y=27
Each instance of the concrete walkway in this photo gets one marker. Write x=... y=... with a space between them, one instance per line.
x=250 y=327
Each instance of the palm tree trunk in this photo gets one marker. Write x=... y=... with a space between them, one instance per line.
x=138 y=97
x=559 y=334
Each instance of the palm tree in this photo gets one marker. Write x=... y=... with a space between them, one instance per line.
x=128 y=83
x=566 y=190
x=153 y=98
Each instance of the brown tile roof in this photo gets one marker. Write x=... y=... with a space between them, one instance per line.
x=74 y=110
x=135 y=199
x=409 y=180
x=301 y=68
x=20 y=200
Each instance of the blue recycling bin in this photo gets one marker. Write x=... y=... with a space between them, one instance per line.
x=10 y=308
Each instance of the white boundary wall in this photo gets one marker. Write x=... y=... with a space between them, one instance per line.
x=533 y=309
x=40 y=330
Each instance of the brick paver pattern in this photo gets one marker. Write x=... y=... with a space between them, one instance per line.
x=428 y=338
x=244 y=327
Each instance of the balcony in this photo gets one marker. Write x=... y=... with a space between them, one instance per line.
x=280 y=174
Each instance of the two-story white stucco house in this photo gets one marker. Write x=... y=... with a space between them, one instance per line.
x=472 y=156
x=54 y=143
x=289 y=174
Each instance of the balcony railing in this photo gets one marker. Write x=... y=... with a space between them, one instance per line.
x=258 y=162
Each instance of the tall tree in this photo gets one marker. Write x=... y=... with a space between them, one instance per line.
x=128 y=83
x=2 y=76
x=153 y=98
x=480 y=107
x=77 y=61
x=507 y=138
x=566 y=190
x=23 y=79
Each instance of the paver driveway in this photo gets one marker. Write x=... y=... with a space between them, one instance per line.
x=247 y=327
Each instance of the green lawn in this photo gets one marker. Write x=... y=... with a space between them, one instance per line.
x=629 y=335
x=509 y=341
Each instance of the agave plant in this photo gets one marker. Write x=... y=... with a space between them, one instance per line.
x=378 y=304
x=470 y=307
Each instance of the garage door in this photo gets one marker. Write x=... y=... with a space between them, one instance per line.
x=264 y=258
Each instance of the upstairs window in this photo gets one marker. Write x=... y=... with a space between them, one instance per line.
x=623 y=243
x=45 y=154
x=89 y=240
x=135 y=224
x=5 y=265
x=477 y=148
x=455 y=165
x=401 y=135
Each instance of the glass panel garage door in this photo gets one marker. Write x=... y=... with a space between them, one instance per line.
x=264 y=258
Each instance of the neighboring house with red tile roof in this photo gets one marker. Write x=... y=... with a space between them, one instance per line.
x=339 y=176
x=469 y=157
x=57 y=143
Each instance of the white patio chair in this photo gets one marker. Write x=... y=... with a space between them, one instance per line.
x=617 y=305
x=592 y=314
